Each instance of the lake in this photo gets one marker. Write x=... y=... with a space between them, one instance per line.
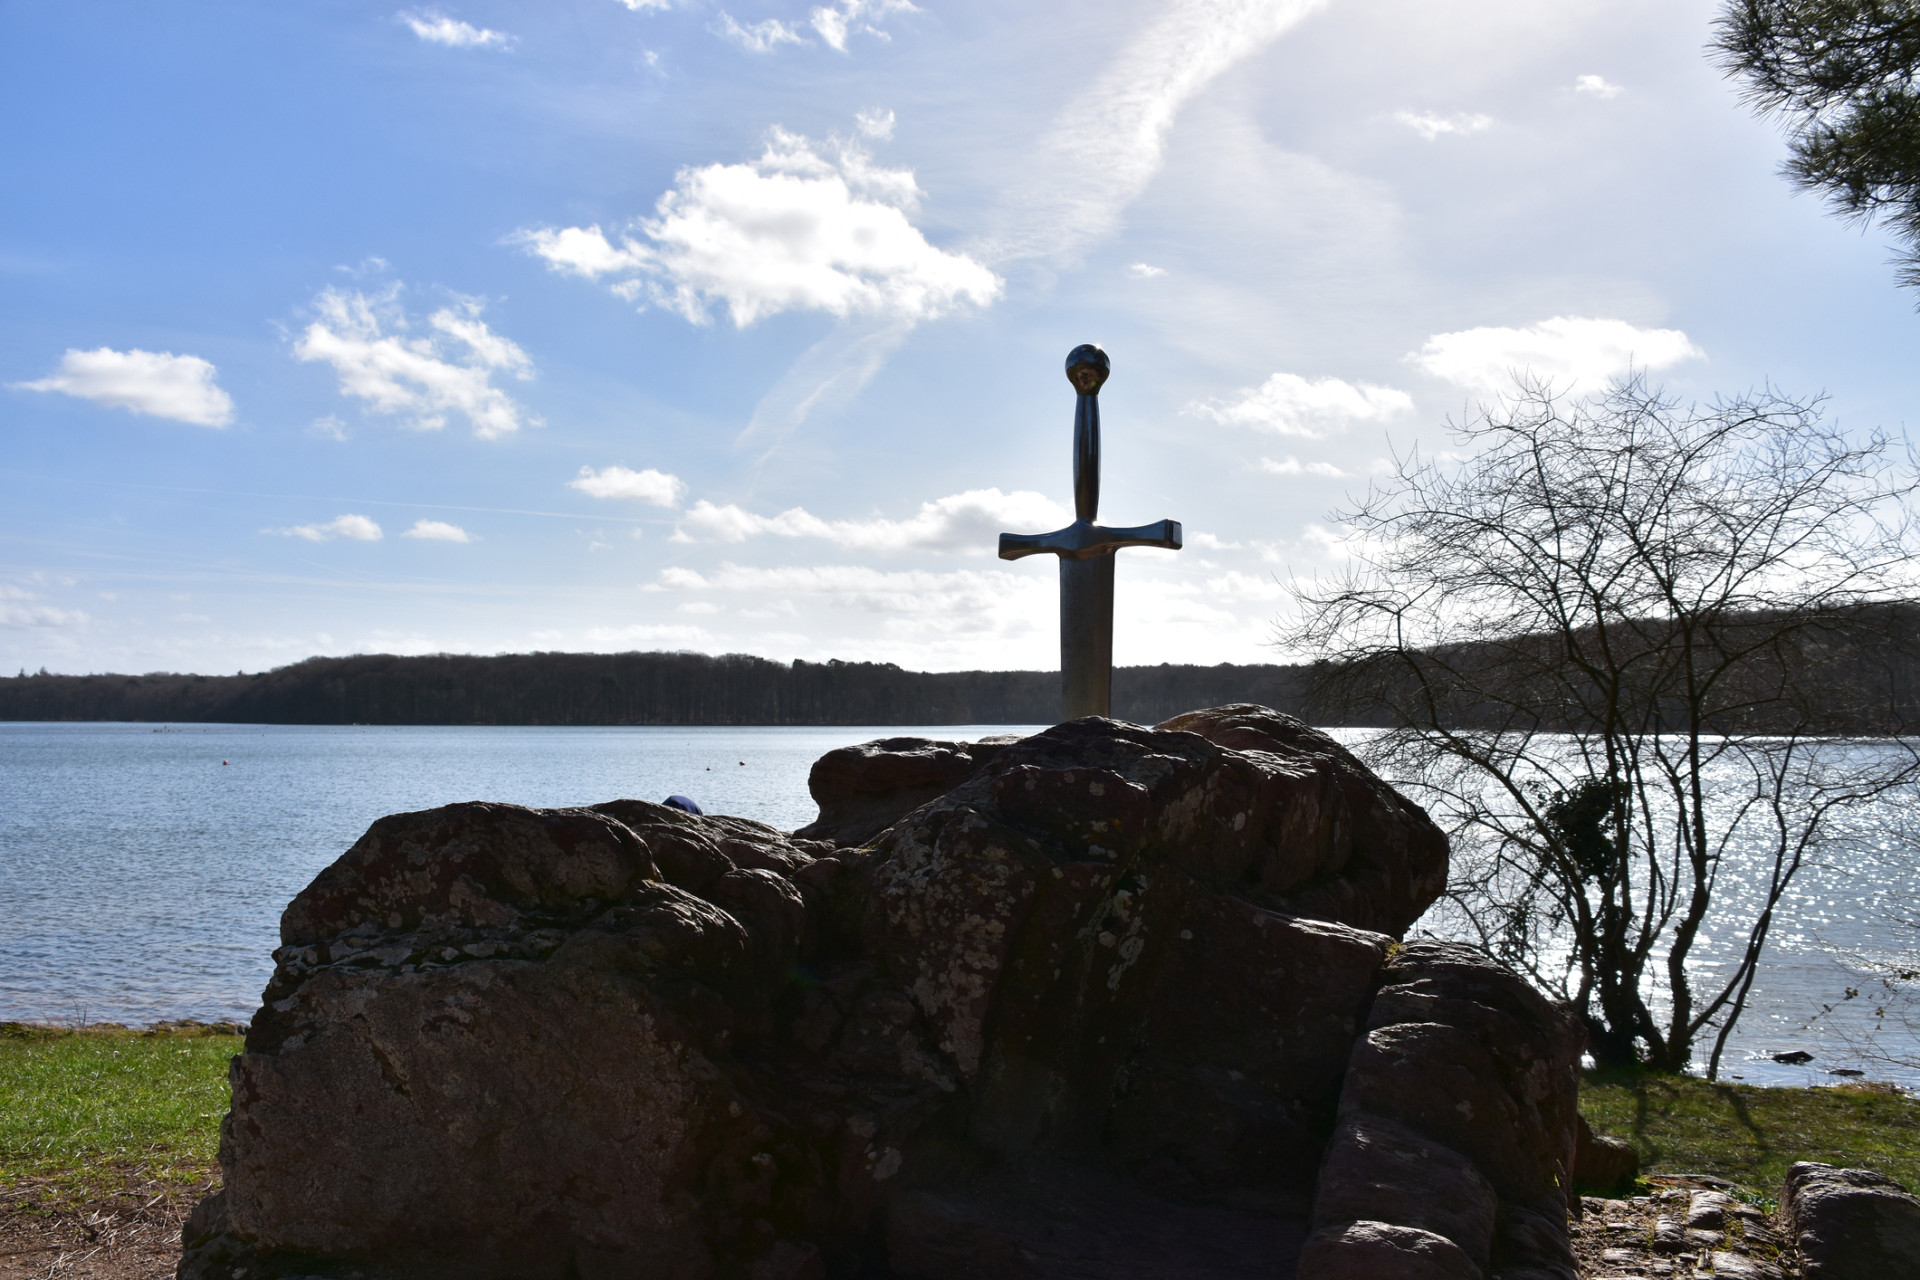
x=143 y=868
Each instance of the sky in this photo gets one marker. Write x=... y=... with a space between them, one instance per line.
x=738 y=326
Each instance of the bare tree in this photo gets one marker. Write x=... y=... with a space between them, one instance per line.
x=1613 y=647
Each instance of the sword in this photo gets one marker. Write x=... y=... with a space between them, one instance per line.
x=1086 y=552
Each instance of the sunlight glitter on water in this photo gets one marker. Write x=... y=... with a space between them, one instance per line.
x=141 y=878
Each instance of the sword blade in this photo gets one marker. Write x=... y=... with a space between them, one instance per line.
x=1086 y=637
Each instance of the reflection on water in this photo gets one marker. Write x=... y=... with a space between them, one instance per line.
x=1848 y=900
x=142 y=872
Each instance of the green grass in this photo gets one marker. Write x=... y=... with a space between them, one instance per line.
x=91 y=1112
x=1750 y=1135
x=94 y=1111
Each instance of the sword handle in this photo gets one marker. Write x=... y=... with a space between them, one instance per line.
x=1087 y=370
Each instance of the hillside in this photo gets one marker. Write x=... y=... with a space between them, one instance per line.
x=623 y=688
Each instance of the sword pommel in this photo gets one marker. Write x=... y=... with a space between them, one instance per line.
x=1087 y=368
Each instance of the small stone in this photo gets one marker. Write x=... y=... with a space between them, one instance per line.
x=1708 y=1210
x=1734 y=1266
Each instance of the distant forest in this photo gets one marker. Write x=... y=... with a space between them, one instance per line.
x=1862 y=677
x=627 y=688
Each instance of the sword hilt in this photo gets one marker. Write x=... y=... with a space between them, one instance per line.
x=1087 y=370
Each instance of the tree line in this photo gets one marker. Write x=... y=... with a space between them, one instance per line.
x=625 y=688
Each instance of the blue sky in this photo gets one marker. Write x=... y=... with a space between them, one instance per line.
x=738 y=326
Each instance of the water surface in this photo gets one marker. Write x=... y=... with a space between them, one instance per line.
x=143 y=868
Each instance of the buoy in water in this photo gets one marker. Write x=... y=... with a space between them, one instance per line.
x=223 y=762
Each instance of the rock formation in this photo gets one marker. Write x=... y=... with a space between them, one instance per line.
x=1851 y=1224
x=1602 y=1166
x=862 y=790
x=1107 y=1001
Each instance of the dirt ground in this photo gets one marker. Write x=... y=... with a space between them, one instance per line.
x=131 y=1236
x=136 y=1236
x=1688 y=1229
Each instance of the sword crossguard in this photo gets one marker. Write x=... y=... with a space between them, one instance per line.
x=1083 y=540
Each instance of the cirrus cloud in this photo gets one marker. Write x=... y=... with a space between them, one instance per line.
x=794 y=230
x=1106 y=146
x=157 y=383
x=1566 y=351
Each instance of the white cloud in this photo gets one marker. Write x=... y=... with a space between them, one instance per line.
x=650 y=633
x=19 y=612
x=1292 y=466
x=1290 y=405
x=971 y=598
x=836 y=22
x=656 y=487
x=793 y=230
x=1597 y=86
x=438 y=28
x=1431 y=126
x=449 y=369
x=352 y=527
x=643 y=6
x=328 y=428
x=436 y=531
x=586 y=251
x=877 y=124
x=759 y=37
x=970 y=521
x=157 y=383
x=1145 y=271
x=1108 y=143
x=1565 y=350
x=1212 y=542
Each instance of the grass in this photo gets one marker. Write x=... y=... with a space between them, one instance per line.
x=89 y=1113
x=85 y=1114
x=1751 y=1135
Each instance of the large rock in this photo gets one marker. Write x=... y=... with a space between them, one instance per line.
x=1602 y=1166
x=1094 y=1011
x=1852 y=1224
x=862 y=790
x=1458 y=1120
